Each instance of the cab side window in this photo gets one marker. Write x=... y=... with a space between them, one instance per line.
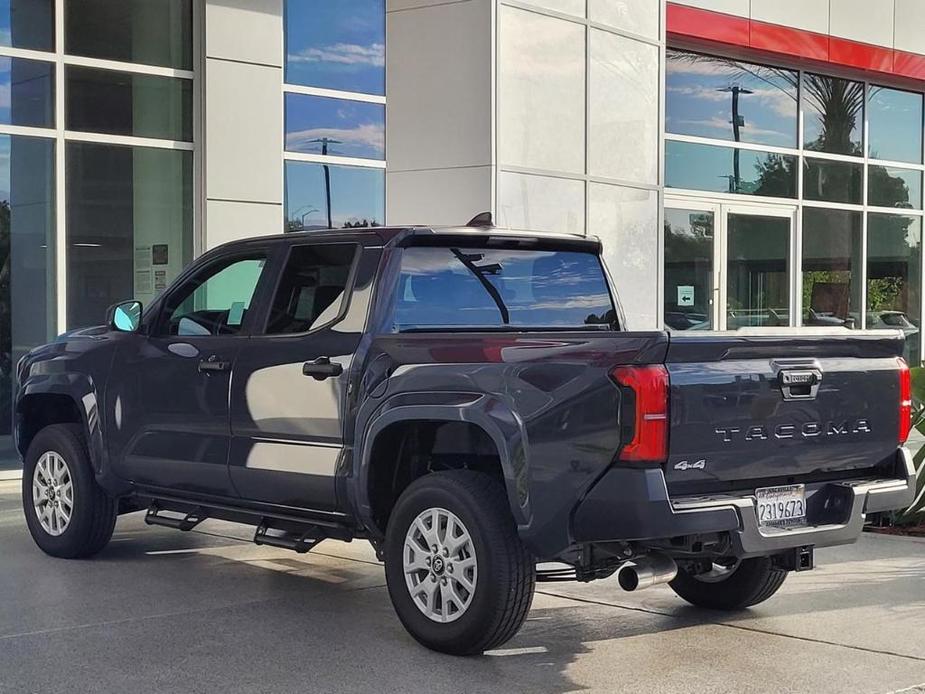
x=312 y=289
x=216 y=301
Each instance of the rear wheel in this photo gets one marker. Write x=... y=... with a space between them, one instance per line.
x=458 y=575
x=67 y=512
x=732 y=585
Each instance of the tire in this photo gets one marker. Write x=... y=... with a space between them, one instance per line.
x=748 y=583
x=503 y=575
x=92 y=514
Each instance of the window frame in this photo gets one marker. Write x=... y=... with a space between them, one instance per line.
x=207 y=265
x=282 y=262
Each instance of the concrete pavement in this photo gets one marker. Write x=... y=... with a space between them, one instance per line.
x=163 y=611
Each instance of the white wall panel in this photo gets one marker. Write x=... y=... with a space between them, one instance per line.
x=626 y=220
x=811 y=15
x=229 y=221
x=542 y=91
x=243 y=131
x=909 y=34
x=438 y=71
x=623 y=122
x=250 y=31
x=869 y=21
x=444 y=196
x=397 y=5
x=737 y=7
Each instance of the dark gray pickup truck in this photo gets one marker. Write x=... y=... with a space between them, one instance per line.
x=470 y=403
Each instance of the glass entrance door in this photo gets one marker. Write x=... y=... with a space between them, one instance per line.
x=728 y=266
x=757 y=267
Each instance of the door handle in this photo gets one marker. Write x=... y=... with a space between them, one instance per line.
x=213 y=363
x=322 y=368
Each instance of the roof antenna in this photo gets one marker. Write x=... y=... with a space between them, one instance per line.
x=481 y=220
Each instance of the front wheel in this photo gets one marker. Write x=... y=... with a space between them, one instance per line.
x=732 y=585
x=458 y=576
x=67 y=512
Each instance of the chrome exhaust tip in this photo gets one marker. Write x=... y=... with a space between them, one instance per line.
x=650 y=570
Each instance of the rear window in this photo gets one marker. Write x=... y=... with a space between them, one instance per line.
x=490 y=288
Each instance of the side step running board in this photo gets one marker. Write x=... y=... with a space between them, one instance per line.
x=300 y=543
x=155 y=516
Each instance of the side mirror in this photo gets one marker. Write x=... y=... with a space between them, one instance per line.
x=124 y=317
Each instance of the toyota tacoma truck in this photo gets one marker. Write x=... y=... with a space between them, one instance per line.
x=470 y=402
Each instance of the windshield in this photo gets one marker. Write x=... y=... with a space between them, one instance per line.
x=490 y=288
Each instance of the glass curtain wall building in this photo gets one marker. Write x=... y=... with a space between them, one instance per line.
x=768 y=223
x=96 y=165
x=334 y=111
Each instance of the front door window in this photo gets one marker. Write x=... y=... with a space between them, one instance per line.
x=215 y=302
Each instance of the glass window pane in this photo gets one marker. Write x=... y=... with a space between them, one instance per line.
x=541 y=203
x=894 y=276
x=319 y=125
x=833 y=118
x=626 y=220
x=27 y=242
x=336 y=44
x=312 y=288
x=123 y=103
x=833 y=181
x=28 y=24
x=321 y=196
x=623 y=108
x=484 y=287
x=831 y=267
x=129 y=225
x=730 y=170
x=575 y=7
x=542 y=121
x=636 y=16
x=727 y=99
x=133 y=31
x=29 y=87
x=757 y=272
x=895 y=129
x=891 y=187
x=215 y=303
x=689 y=236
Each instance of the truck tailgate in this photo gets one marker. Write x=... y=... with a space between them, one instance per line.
x=749 y=408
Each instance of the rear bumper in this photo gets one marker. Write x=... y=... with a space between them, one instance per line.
x=628 y=504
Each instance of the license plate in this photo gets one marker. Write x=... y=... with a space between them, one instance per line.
x=781 y=506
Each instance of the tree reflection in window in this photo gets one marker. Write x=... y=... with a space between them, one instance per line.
x=833 y=114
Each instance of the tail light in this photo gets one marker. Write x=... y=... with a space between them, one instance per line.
x=650 y=432
x=905 y=401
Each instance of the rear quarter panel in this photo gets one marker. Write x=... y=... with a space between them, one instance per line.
x=546 y=399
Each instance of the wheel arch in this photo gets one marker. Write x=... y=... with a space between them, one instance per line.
x=480 y=415
x=61 y=399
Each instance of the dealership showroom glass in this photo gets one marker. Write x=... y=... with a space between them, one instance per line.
x=744 y=164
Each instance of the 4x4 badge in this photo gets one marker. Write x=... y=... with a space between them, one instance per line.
x=686 y=465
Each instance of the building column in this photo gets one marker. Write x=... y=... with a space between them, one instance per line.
x=242 y=119
x=439 y=113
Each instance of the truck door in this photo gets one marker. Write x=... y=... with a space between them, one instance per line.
x=289 y=390
x=169 y=393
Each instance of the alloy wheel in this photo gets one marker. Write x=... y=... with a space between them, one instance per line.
x=440 y=565
x=53 y=493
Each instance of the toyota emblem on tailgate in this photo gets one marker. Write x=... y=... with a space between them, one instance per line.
x=800 y=384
